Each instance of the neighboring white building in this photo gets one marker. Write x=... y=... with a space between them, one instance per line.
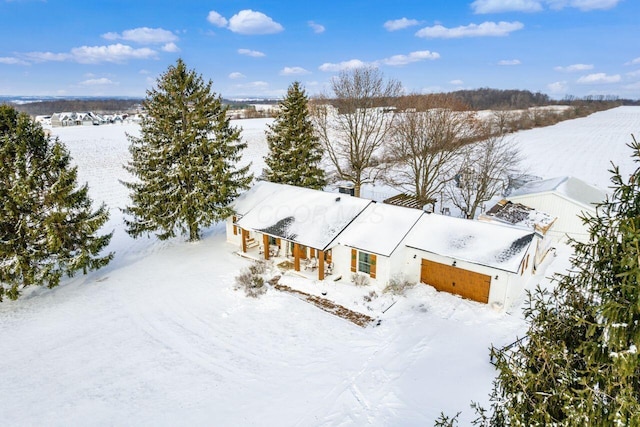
x=524 y=217
x=567 y=199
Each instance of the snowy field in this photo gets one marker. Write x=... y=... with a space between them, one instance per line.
x=159 y=337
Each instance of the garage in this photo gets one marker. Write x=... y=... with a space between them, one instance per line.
x=458 y=281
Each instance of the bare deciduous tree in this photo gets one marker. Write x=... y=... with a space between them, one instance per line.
x=428 y=135
x=484 y=171
x=354 y=122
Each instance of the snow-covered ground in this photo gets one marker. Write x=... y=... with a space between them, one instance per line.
x=159 y=337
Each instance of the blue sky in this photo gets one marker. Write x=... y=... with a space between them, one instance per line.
x=257 y=48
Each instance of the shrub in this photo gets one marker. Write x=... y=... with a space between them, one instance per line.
x=253 y=284
x=360 y=279
x=398 y=285
x=260 y=267
x=371 y=296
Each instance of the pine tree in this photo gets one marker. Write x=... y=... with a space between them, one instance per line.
x=185 y=160
x=295 y=152
x=579 y=364
x=47 y=225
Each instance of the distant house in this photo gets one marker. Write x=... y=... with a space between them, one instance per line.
x=63 y=119
x=567 y=199
x=334 y=236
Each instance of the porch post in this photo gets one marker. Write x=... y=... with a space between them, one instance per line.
x=265 y=245
x=244 y=239
x=296 y=257
x=320 y=265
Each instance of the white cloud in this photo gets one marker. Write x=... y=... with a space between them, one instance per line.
x=509 y=62
x=170 y=47
x=633 y=62
x=341 y=66
x=599 y=78
x=97 y=82
x=252 y=53
x=457 y=82
x=144 y=35
x=216 y=19
x=111 y=53
x=417 y=56
x=634 y=73
x=486 y=29
x=498 y=6
x=293 y=71
x=12 y=61
x=558 y=87
x=574 y=67
x=399 y=24
x=116 y=53
x=251 y=22
x=317 y=28
x=48 y=56
x=236 y=75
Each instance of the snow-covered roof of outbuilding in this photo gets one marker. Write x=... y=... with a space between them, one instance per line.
x=493 y=245
x=518 y=215
x=566 y=186
x=380 y=228
x=310 y=217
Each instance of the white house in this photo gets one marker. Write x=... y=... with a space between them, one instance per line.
x=480 y=261
x=566 y=198
x=332 y=236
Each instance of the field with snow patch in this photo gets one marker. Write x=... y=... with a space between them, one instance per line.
x=159 y=337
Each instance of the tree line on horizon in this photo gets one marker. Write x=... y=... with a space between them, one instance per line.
x=476 y=99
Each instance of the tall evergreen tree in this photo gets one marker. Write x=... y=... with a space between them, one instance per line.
x=295 y=152
x=185 y=161
x=579 y=364
x=47 y=225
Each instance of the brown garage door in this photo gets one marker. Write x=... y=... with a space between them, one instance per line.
x=445 y=278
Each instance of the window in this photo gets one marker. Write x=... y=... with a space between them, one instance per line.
x=364 y=262
x=273 y=241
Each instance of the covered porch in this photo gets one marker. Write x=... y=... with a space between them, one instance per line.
x=309 y=262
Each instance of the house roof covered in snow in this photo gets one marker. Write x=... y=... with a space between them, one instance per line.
x=251 y=198
x=566 y=186
x=310 y=217
x=380 y=228
x=477 y=242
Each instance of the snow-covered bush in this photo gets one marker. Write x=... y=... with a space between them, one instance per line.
x=360 y=279
x=260 y=267
x=252 y=283
x=398 y=285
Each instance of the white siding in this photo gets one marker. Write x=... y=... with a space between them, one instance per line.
x=568 y=213
x=506 y=288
